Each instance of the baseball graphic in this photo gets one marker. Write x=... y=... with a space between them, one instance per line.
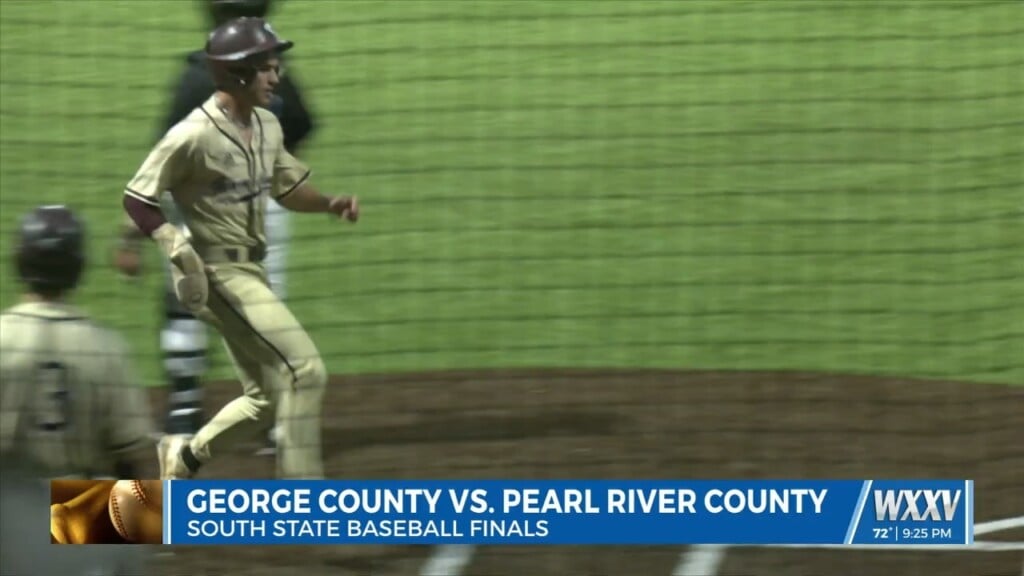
x=136 y=510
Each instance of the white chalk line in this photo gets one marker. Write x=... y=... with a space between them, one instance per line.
x=701 y=560
x=979 y=530
x=976 y=547
x=706 y=559
x=448 y=560
x=998 y=525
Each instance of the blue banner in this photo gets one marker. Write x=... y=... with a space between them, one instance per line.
x=584 y=512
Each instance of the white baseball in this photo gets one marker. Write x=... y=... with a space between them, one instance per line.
x=136 y=510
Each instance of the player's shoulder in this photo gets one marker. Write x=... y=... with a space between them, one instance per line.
x=59 y=314
x=191 y=127
x=198 y=124
x=38 y=312
x=20 y=321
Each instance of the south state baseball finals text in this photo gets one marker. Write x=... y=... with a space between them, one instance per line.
x=347 y=514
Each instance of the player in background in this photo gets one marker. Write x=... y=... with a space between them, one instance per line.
x=71 y=404
x=183 y=338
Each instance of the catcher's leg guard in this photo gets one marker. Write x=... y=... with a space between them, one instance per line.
x=183 y=342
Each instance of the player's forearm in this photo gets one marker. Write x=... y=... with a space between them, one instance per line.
x=306 y=198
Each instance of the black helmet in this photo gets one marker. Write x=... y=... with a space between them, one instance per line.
x=50 y=251
x=223 y=10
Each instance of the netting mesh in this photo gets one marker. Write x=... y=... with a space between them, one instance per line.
x=803 y=186
x=814 y=186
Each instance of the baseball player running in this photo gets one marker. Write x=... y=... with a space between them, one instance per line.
x=183 y=338
x=71 y=405
x=220 y=164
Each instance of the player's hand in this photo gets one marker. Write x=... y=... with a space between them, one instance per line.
x=189 y=273
x=128 y=254
x=191 y=286
x=345 y=207
x=128 y=262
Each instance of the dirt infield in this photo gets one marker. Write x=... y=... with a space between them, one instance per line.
x=650 y=424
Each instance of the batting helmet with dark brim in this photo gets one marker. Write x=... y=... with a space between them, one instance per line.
x=234 y=48
x=50 y=249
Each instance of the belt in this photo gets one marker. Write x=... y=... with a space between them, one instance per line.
x=233 y=254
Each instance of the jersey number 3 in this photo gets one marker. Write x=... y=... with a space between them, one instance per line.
x=54 y=411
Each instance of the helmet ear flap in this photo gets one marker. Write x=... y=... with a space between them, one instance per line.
x=242 y=75
x=230 y=77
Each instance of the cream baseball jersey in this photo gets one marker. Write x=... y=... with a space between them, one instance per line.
x=71 y=402
x=219 y=181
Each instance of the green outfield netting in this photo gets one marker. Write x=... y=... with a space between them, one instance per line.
x=822 y=186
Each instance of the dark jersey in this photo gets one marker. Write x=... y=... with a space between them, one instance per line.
x=195 y=86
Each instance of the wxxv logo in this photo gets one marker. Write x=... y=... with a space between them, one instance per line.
x=916 y=505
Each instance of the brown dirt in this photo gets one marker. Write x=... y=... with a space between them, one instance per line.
x=649 y=424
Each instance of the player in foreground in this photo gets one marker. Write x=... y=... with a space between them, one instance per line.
x=220 y=164
x=183 y=338
x=71 y=404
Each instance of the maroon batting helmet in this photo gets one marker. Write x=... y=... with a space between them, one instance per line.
x=234 y=49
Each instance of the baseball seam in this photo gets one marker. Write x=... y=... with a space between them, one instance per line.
x=115 y=512
x=141 y=496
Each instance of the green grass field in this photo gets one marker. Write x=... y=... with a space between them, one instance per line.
x=738 y=185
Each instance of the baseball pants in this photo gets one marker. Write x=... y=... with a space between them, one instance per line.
x=183 y=338
x=283 y=377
